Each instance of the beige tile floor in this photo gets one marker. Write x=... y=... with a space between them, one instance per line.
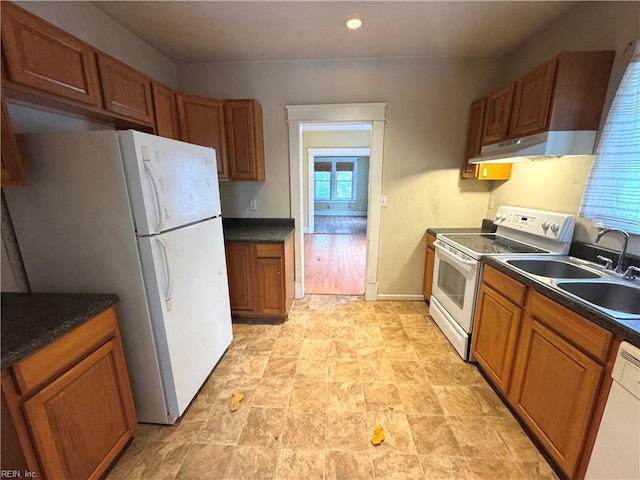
x=314 y=390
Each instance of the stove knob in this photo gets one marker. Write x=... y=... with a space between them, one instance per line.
x=545 y=225
x=554 y=227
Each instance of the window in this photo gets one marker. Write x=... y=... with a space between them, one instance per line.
x=335 y=180
x=612 y=195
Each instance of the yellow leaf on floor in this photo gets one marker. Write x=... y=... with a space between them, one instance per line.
x=235 y=401
x=378 y=435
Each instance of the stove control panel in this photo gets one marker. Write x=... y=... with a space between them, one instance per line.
x=540 y=223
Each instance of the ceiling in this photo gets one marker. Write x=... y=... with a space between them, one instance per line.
x=222 y=31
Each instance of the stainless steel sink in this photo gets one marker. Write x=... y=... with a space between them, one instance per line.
x=617 y=297
x=553 y=268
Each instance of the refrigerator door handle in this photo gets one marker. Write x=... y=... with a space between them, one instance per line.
x=166 y=251
x=146 y=158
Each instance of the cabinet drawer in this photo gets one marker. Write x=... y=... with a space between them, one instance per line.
x=505 y=285
x=589 y=337
x=270 y=250
x=52 y=360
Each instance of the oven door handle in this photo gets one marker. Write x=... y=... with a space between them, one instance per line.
x=447 y=253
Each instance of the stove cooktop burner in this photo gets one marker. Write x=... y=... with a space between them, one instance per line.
x=490 y=243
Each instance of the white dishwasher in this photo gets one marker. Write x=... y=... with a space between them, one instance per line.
x=616 y=452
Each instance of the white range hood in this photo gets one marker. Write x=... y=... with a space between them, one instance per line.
x=540 y=145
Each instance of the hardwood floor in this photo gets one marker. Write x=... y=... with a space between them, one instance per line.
x=339 y=224
x=334 y=263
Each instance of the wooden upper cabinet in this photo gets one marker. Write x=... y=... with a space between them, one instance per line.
x=494 y=171
x=166 y=111
x=474 y=137
x=125 y=90
x=41 y=56
x=497 y=115
x=245 y=143
x=532 y=100
x=201 y=122
x=12 y=171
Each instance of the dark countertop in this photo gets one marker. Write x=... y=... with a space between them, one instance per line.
x=629 y=330
x=487 y=227
x=257 y=230
x=32 y=320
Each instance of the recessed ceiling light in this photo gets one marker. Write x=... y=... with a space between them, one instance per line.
x=353 y=23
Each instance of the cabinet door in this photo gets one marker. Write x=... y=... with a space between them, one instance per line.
x=495 y=335
x=240 y=271
x=270 y=286
x=532 y=101
x=474 y=137
x=125 y=90
x=555 y=391
x=166 y=111
x=245 y=145
x=427 y=284
x=202 y=122
x=44 y=57
x=12 y=172
x=82 y=420
x=497 y=114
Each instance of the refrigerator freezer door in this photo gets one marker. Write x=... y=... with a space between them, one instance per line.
x=186 y=280
x=170 y=183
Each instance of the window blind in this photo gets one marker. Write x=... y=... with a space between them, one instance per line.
x=612 y=196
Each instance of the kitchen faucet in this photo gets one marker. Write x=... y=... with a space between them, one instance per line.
x=623 y=250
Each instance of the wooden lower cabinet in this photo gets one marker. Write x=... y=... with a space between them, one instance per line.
x=427 y=283
x=495 y=335
x=261 y=278
x=70 y=423
x=240 y=270
x=551 y=364
x=555 y=391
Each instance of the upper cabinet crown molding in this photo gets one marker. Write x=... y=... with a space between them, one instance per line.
x=44 y=57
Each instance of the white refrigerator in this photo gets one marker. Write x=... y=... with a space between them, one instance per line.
x=137 y=215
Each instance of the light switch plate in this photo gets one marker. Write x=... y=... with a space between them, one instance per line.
x=383 y=200
x=253 y=205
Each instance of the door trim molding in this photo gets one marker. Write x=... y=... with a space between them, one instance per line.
x=372 y=113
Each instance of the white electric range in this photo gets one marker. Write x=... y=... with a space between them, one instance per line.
x=457 y=268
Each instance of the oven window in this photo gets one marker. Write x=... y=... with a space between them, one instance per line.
x=452 y=283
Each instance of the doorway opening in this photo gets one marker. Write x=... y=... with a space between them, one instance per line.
x=337 y=204
x=370 y=114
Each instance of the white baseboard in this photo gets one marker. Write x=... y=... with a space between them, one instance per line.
x=331 y=213
x=371 y=292
x=400 y=297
